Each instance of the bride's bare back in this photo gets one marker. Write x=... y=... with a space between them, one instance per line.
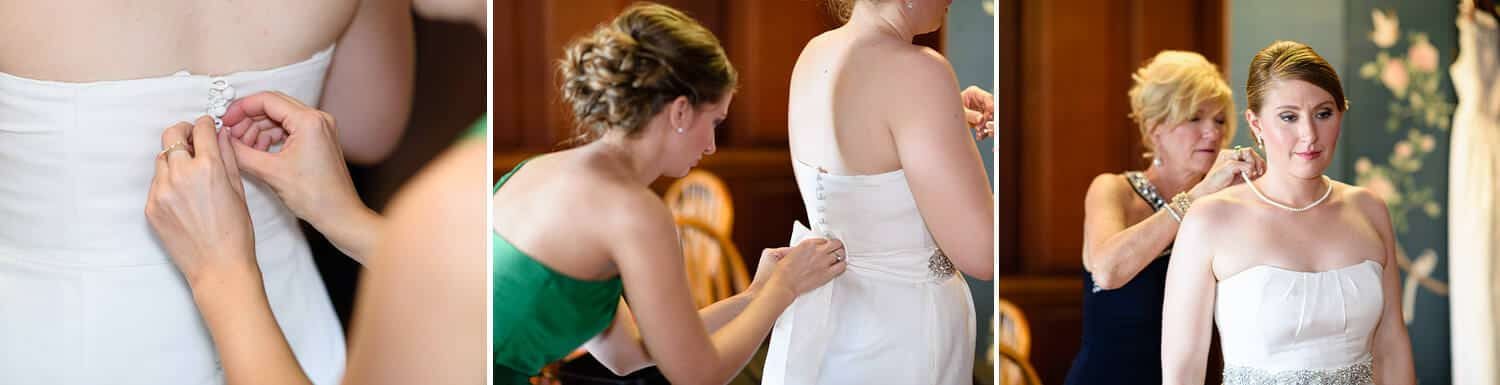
x=839 y=86
x=74 y=40
x=867 y=102
x=368 y=88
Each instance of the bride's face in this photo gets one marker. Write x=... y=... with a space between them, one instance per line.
x=1300 y=124
x=685 y=149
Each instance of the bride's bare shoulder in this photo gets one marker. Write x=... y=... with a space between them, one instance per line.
x=1218 y=208
x=1368 y=202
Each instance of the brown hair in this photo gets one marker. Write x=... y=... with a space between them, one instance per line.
x=629 y=69
x=1290 y=60
x=841 y=8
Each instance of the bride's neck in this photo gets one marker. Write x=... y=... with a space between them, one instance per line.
x=879 y=18
x=1290 y=190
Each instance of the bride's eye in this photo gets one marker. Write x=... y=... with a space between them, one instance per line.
x=1288 y=117
x=1325 y=114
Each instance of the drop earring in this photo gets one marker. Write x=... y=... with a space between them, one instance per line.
x=1155 y=161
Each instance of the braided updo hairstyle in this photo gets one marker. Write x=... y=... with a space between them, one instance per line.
x=627 y=70
x=841 y=9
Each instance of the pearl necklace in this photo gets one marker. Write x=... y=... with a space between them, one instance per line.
x=1315 y=203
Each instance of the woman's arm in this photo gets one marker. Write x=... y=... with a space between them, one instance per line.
x=421 y=316
x=1188 y=307
x=941 y=163
x=369 y=84
x=1112 y=251
x=251 y=346
x=649 y=259
x=1392 y=345
x=620 y=347
x=196 y=206
x=1114 y=256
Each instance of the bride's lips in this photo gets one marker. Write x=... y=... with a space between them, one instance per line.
x=1309 y=155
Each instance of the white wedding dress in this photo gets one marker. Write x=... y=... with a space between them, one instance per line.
x=900 y=313
x=87 y=294
x=1474 y=214
x=1279 y=326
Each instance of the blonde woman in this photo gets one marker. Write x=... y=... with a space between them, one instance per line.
x=1182 y=106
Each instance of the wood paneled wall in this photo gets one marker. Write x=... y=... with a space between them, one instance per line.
x=1064 y=72
x=763 y=39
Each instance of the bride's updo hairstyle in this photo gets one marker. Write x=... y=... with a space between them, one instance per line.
x=629 y=69
x=1290 y=60
x=842 y=8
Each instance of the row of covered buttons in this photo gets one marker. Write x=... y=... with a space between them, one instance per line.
x=220 y=93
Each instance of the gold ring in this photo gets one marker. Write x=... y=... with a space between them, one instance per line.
x=180 y=145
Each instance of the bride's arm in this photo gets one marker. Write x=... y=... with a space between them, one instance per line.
x=942 y=164
x=1187 y=309
x=369 y=84
x=1392 y=345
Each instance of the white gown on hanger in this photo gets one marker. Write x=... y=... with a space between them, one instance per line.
x=87 y=294
x=900 y=313
x=1474 y=211
x=1279 y=326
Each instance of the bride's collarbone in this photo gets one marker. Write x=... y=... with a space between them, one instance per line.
x=1306 y=252
x=1317 y=243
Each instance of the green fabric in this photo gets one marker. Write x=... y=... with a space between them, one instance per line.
x=478 y=129
x=541 y=315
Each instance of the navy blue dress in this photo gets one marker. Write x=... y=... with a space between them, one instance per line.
x=1122 y=327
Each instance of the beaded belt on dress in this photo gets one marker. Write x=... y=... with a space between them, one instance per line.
x=1362 y=373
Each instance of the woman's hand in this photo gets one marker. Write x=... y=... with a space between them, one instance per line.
x=309 y=173
x=766 y=268
x=1226 y=169
x=979 y=111
x=806 y=266
x=196 y=203
x=197 y=207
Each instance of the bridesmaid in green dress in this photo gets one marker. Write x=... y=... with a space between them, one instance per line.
x=575 y=229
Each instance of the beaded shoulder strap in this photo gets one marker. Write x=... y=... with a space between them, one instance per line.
x=1145 y=190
